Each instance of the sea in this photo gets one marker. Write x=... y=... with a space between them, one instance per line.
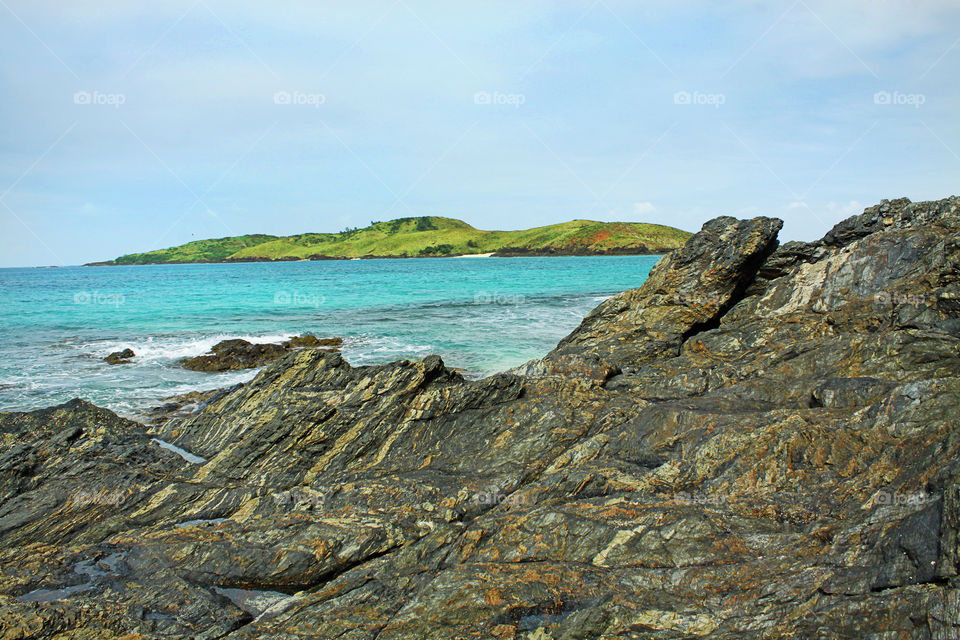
x=482 y=315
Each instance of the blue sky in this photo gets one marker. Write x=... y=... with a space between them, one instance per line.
x=127 y=128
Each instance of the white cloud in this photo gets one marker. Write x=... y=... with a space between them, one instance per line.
x=643 y=208
x=845 y=210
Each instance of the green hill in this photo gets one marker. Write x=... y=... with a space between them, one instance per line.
x=430 y=236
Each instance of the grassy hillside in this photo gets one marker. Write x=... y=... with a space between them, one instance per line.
x=215 y=250
x=425 y=236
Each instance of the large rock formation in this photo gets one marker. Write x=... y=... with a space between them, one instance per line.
x=759 y=442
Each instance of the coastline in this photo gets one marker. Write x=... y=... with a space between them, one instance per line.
x=427 y=237
x=772 y=425
x=77 y=316
x=506 y=253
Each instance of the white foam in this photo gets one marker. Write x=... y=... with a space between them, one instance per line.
x=165 y=348
x=362 y=350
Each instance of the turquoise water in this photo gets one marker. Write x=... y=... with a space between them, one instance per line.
x=480 y=314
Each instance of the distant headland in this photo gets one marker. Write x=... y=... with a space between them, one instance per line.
x=424 y=237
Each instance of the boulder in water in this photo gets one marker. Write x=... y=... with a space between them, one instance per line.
x=120 y=357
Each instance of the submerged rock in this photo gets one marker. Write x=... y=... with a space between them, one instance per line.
x=759 y=442
x=120 y=357
x=309 y=340
x=236 y=354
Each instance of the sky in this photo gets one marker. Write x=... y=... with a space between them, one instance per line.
x=126 y=127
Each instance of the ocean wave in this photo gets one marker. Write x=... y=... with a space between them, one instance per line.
x=169 y=348
x=366 y=349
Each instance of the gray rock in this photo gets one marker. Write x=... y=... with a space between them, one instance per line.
x=759 y=442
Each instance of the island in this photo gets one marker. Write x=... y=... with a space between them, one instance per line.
x=424 y=237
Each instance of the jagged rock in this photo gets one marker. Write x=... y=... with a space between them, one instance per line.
x=230 y=355
x=687 y=292
x=235 y=354
x=120 y=357
x=759 y=442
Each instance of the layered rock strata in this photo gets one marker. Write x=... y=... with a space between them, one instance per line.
x=759 y=442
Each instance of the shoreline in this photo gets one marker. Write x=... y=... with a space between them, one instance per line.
x=492 y=254
x=286 y=301
x=708 y=409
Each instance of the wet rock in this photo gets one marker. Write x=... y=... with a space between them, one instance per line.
x=231 y=355
x=120 y=357
x=309 y=340
x=236 y=354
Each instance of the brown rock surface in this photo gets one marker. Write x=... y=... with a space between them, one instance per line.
x=235 y=354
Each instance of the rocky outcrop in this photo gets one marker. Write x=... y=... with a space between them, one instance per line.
x=688 y=291
x=759 y=442
x=308 y=340
x=120 y=357
x=236 y=354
